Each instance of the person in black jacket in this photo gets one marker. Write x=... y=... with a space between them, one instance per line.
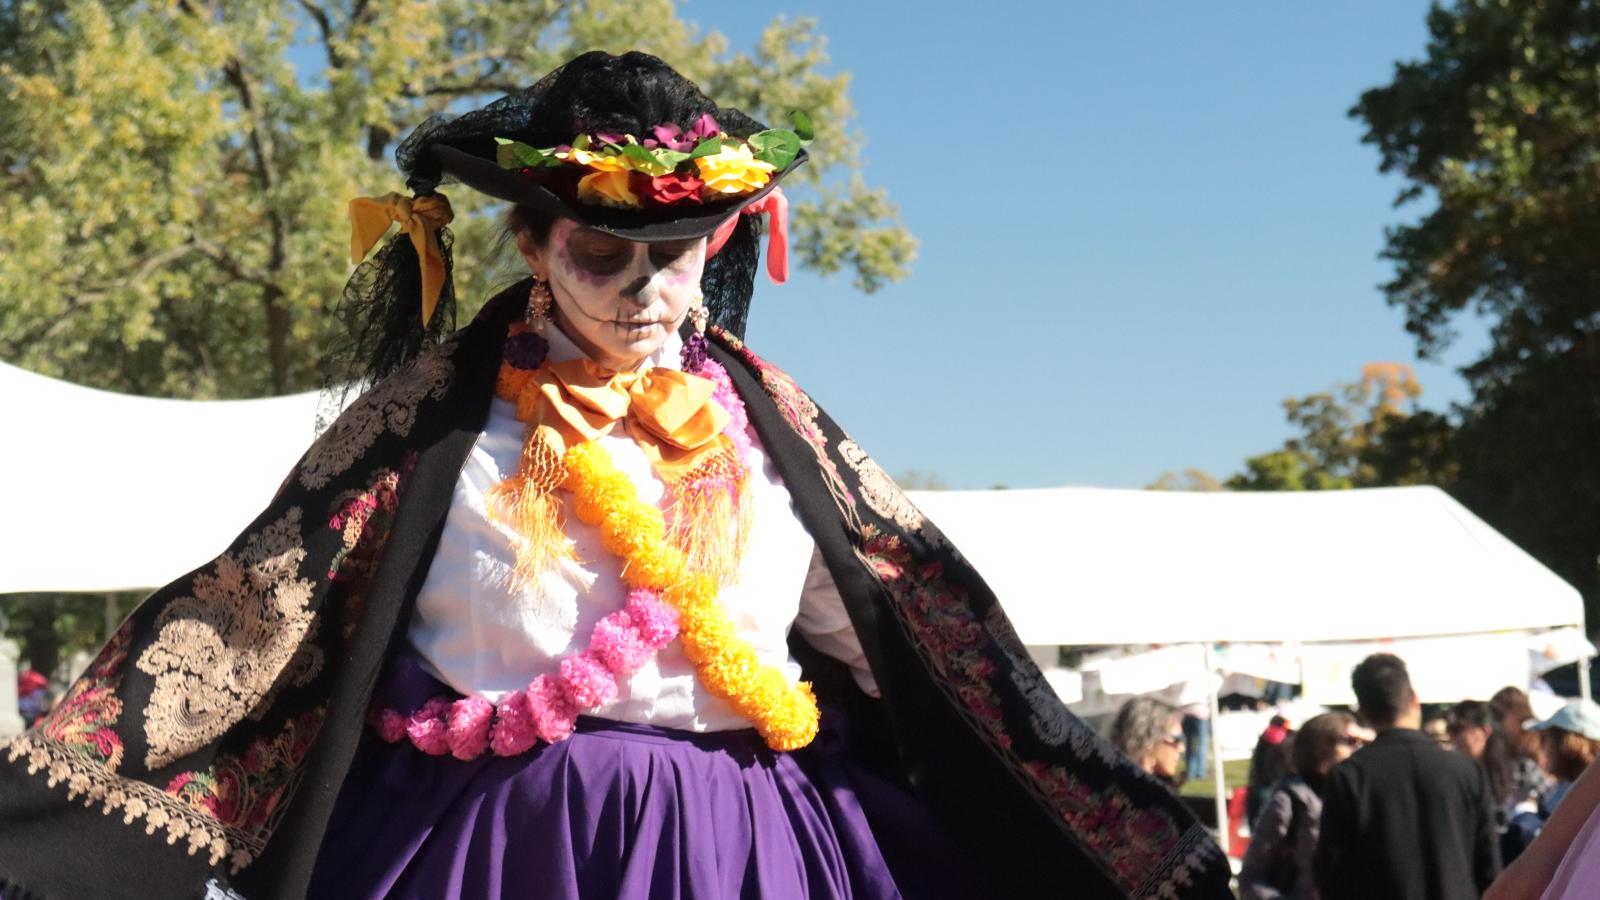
x=1404 y=818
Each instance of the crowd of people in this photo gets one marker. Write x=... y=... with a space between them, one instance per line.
x=1385 y=801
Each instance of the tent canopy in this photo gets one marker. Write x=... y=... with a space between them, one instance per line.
x=107 y=491
x=1096 y=566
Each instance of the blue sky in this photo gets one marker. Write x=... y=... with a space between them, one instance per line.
x=1168 y=225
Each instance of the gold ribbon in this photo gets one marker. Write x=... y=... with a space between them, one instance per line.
x=670 y=414
x=420 y=217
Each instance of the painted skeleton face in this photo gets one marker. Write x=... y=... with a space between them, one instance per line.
x=618 y=300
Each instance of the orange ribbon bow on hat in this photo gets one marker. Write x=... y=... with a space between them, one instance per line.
x=420 y=217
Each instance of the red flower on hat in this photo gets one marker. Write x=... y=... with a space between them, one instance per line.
x=666 y=190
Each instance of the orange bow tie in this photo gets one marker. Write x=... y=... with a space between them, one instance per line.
x=670 y=414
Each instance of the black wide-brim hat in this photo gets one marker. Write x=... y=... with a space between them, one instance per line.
x=594 y=93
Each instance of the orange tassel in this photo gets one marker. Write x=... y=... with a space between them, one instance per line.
x=709 y=516
x=527 y=502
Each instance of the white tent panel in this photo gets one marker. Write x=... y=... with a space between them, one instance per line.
x=102 y=491
x=1083 y=566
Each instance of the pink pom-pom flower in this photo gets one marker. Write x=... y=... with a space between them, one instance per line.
x=513 y=727
x=390 y=725
x=589 y=682
x=652 y=618
x=468 y=731
x=427 y=728
x=618 y=645
x=554 y=714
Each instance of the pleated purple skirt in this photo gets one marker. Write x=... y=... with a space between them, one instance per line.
x=628 y=811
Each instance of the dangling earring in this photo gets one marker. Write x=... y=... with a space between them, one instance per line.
x=699 y=314
x=525 y=347
x=695 y=349
x=539 y=301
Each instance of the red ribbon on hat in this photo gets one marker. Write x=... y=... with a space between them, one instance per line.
x=776 y=206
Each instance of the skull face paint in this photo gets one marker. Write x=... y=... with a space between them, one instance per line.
x=616 y=299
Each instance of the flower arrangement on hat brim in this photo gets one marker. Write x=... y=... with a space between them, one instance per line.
x=672 y=166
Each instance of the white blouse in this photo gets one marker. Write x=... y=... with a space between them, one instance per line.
x=481 y=637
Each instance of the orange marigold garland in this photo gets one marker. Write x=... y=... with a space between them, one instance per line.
x=784 y=714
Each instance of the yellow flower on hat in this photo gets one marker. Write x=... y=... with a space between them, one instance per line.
x=733 y=170
x=608 y=188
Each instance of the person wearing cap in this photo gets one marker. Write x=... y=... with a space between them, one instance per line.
x=584 y=599
x=1570 y=742
x=1563 y=861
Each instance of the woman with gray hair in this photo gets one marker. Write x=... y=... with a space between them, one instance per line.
x=1150 y=732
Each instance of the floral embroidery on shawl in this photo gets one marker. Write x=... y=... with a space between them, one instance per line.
x=223 y=648
x=1146 y=852
x=881 y=494
x=363 y=519
x=245 y=793
x=83 y=720
x=75 y=745
x=390 y=405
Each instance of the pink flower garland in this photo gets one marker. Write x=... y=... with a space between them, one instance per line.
x=728 y=399
x=620 y=645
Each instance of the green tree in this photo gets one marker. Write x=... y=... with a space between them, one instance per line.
x=1197 y=480
x=1357 y=435
x=175 y=186
x=1496 y=134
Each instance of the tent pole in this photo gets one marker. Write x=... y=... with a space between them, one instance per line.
x=1583 y=677
x=1216 y=748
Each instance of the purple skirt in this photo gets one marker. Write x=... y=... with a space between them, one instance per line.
x=628 y=811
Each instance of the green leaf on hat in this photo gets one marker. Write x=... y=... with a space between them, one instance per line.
x=707 y=147
x=517 y=155
x=775 y=146
x=669 y=158
x=635 y=151
x=803 y=127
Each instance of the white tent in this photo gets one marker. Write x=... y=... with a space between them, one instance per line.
x=1094 y=566
x=1323 y=577
x=102 y=491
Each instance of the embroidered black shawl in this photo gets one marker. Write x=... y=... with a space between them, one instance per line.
x=202 y=750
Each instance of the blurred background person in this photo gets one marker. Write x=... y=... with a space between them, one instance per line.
x=1150 y=732
x=1269 y=764
x=1569 y=742
x=1512 y=712
x=1403 y=818
x=1283 y=841
x=1197 y=739
x=1474 y=731
x=1437 y=726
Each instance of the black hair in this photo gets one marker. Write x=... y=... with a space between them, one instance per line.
x=1383 y=688
x=1499 y=756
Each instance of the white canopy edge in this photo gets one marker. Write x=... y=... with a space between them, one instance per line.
x=104 y=491
x=1085 y=566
